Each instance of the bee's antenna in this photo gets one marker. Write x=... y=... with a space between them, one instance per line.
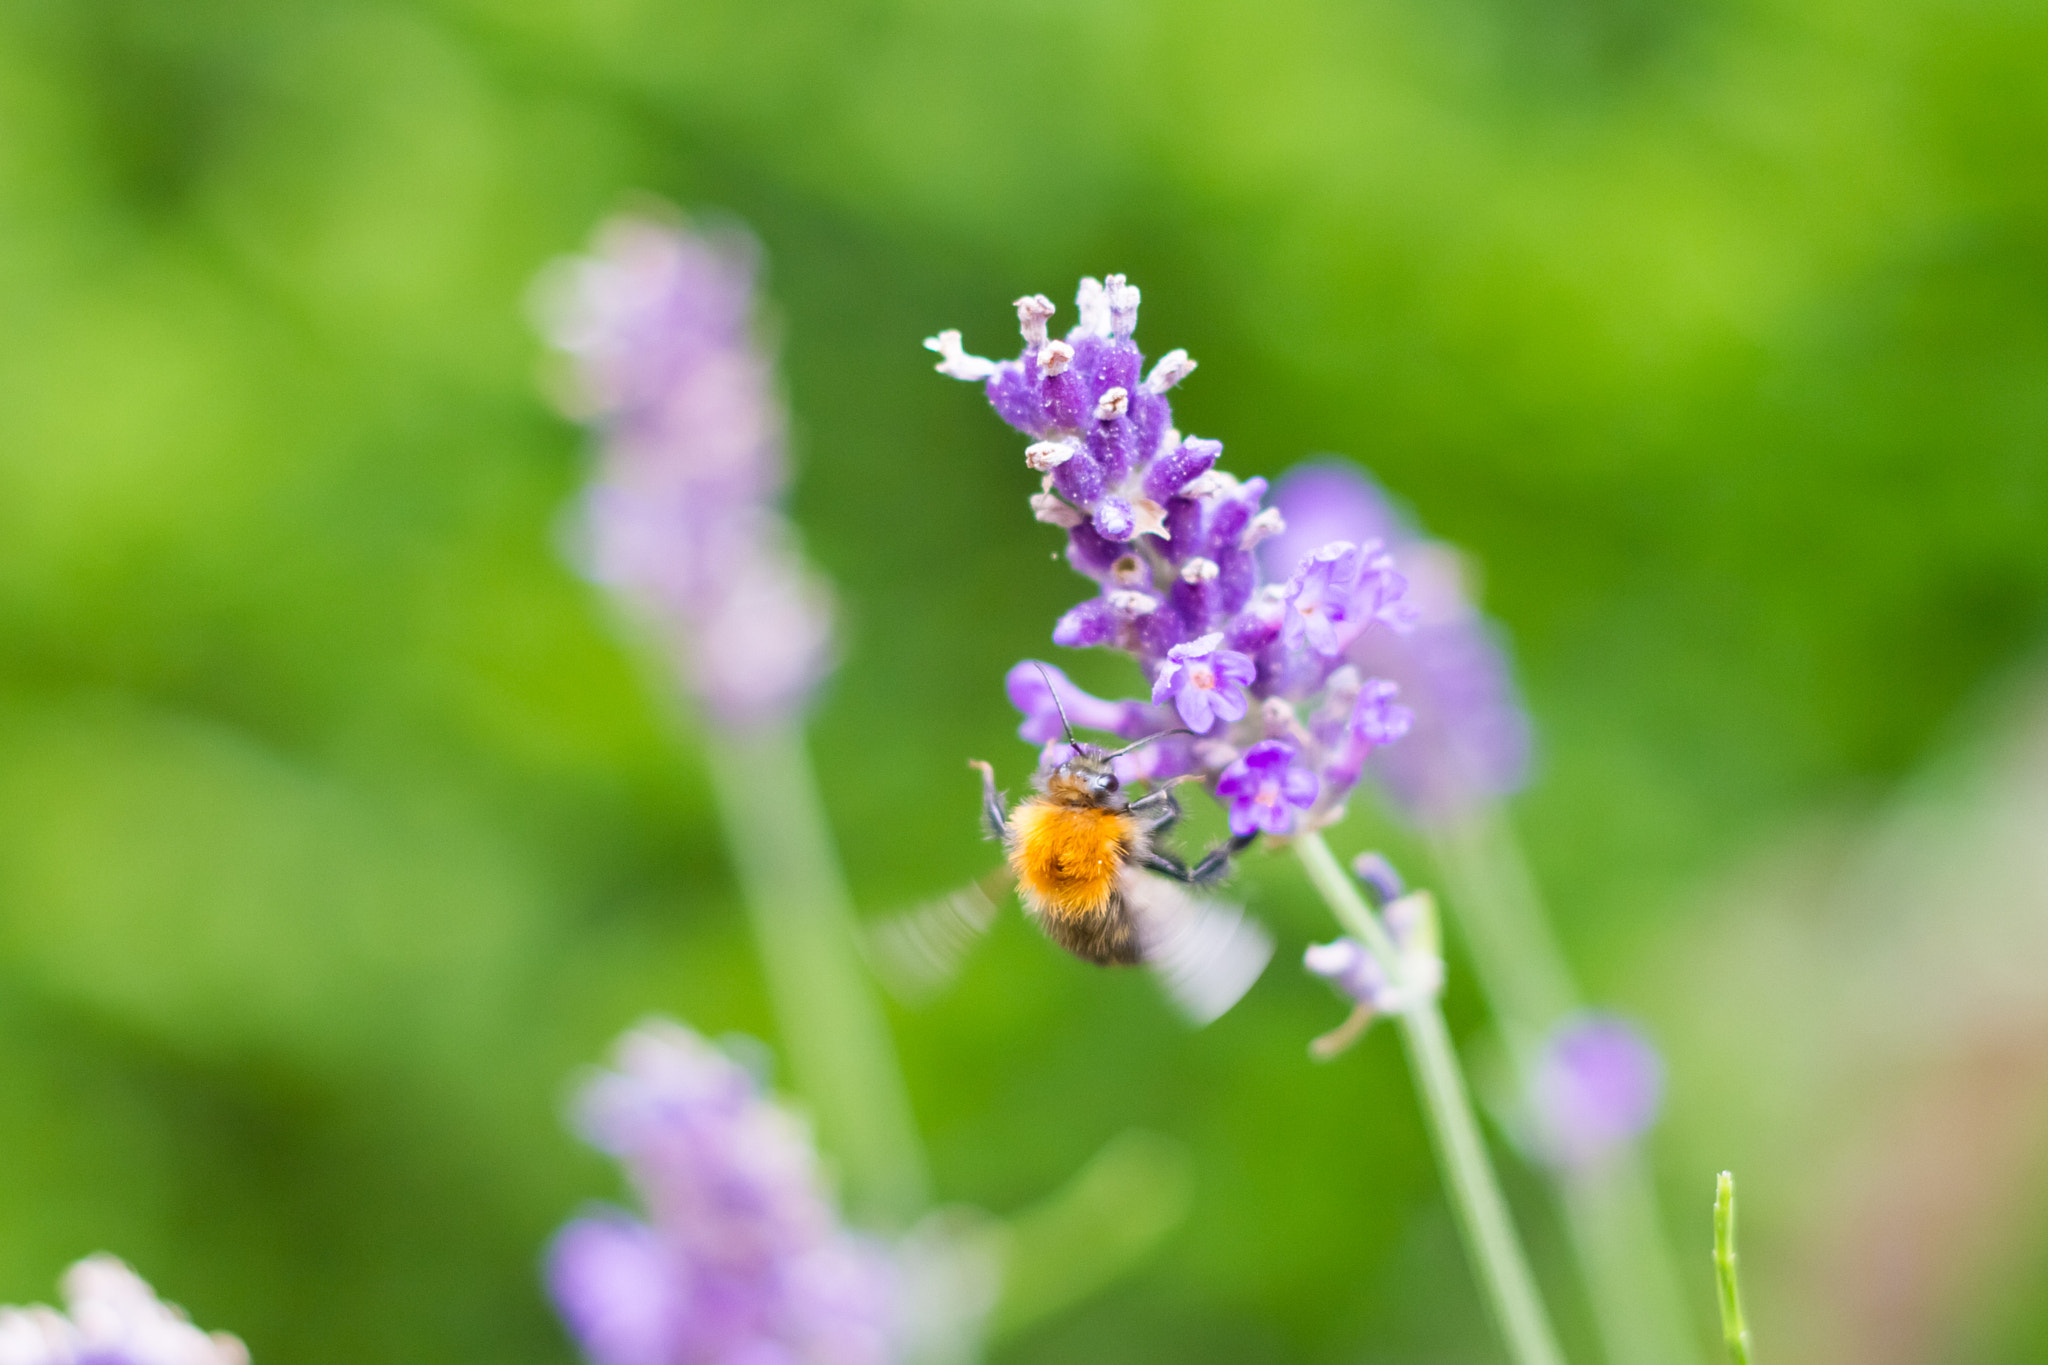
x=1054 y=693
x=1141 y=743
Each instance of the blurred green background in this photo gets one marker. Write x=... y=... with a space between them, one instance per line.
x=337 y=830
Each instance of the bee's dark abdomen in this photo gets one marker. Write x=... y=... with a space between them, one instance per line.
x=1108 y=938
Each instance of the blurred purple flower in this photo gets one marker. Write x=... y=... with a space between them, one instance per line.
x=1378 y=874
x=1596 y=1088
x=681 y=519
x=111 y=1317
x=1205 y=681
x=1265 y=788
x=1468 y=739
x=1353 y=968
x=1170 y=541
x=742 y=1256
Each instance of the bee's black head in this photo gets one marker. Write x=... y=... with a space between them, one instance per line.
x=1083 y=778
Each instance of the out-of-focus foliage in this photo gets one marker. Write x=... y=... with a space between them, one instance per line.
x=336 y=830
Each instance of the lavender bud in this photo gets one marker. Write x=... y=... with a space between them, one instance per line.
x=1380 y=877
x=111 y=1317
x=1093 y=622
x=1597 y=1088
x=1181 y=467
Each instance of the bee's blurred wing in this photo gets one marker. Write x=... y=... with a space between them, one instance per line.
x=918 y=952
x=1207 y=953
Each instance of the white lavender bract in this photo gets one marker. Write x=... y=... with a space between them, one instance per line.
x=111 y=1317
x=742 y=1257
x=656 y=323
x=1282 y=722
x=1469 y=739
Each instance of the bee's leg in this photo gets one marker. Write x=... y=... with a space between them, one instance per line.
x=1158 y=809
x=1211 y=868
x=991 y=801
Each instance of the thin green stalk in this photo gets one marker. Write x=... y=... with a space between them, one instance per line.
x=1475 y=1193
x=1734 y=1330
x=832 y=1027
x=1610 y=1212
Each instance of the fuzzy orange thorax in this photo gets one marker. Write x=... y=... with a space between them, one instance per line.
x=1068 y=858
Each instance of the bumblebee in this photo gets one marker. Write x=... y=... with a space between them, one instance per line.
x=1077 y=846
x=1086 y=866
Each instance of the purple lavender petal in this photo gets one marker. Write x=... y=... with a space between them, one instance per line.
x=1263 y=789
x=1028 y=691
x=1205 y=681
x=1319 y=598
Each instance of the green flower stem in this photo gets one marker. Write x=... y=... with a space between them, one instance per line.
x=833 y=1031
x=1733 y=1328
x=1610 y=1212
x=1475 y=1193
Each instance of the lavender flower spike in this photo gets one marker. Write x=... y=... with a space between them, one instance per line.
x=111 y=1317
x=1170 y=541
x=681 y=519
x=1468 y=740
x=742 y=1256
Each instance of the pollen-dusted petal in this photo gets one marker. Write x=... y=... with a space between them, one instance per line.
x=1051 y=509
x=954 y=361
x=1130 y=604
x=1122 y=298
x=1033 y=311
x=1091 y=304
x=1045 y=456
x=1149 y=519
x=1264 y=526
x=1173 y=367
